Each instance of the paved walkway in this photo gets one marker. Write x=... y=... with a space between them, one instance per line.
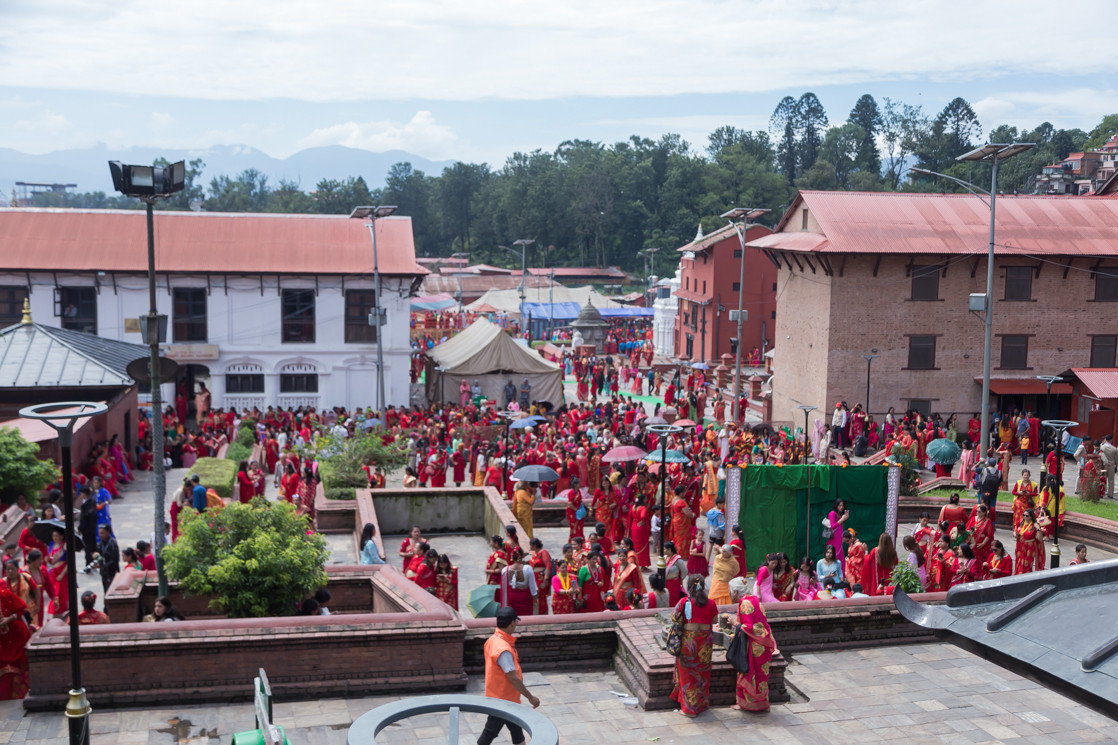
x=912 y=694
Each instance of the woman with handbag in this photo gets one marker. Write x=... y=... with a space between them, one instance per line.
x=752 y=690
x=692 y=619
x=576 y=511
x=833 y=526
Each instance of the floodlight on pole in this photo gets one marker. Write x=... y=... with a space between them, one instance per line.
x=149 y=184
x=806 y=409
x=377 y=317
x=994 y=153
x=739 y=217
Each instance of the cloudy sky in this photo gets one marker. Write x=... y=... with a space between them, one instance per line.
x=449 y=79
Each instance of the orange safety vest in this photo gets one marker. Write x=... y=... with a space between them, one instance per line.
x=497 y=683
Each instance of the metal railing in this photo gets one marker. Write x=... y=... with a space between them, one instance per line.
x=365 y=729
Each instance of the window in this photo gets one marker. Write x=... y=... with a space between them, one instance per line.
x=925 y=283
x=1015 y=352
x=1102 y=350
x=922 y=352
x=1018 y=283
x=244 y=383
x=298 y=383
x=77 y=306
x=298 y=316
x=921 y=406
x=704 y=287
x=358 y=305
x=1106 y=285
x=190 y=314
x=11 y=304
x=687 y=283
x=737 y=253
x=736 y=287
x=774 y=315
x=774 y=286
x=803 y=220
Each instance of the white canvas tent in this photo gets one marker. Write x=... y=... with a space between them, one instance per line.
x=509 y=300
x=485 y=353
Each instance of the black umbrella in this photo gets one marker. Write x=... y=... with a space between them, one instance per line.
x=44 y=531
x=535 y=474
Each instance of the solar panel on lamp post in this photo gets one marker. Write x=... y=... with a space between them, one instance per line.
x=149 y=184
x=739 y=217
x=372 y=213
x=994 y=153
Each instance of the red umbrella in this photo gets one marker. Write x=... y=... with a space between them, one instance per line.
x=624 y=453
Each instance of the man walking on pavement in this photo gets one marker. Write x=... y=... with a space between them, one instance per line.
x=503 y=679
x=1109 y=455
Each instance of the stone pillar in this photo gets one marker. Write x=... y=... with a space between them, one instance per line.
x=722 y=372
x=755 y=386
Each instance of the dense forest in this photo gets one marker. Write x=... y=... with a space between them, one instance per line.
x=587 y=203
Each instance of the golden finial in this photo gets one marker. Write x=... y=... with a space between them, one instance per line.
x=26 y=320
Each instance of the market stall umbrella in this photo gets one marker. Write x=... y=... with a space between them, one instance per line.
x=623 y=453
x=483 y=602
x=535 y=474
x=671 y=456
x=944 y=452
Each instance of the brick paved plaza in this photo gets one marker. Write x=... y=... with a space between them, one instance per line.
x=932 y=693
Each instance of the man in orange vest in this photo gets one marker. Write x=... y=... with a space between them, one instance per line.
x=503 y=678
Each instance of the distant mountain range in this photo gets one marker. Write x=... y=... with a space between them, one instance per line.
x=89 y=170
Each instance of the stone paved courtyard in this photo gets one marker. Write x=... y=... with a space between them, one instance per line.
x=932 y=693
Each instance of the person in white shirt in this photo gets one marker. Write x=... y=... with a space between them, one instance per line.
x=838 y=421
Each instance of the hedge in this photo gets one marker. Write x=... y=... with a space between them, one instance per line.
x=237 y=452
x=218 y=474
x=341 y=492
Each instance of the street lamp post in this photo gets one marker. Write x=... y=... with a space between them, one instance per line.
x=61 y=417
x=649 y=255
x=508 y=416
x=377 y=317
x=994 y=154
x=149 y=184
x=806 y=409
x=739 y=217
x=663 y=431
x=1055 y=496
x=869 y=358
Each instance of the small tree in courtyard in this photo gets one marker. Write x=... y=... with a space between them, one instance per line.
x=21 y=470
x=908 y=465
x=254 y=560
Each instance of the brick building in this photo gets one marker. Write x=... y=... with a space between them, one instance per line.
x=709 y=276
x=892 y=273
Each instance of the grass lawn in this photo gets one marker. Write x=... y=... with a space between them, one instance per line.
x=1104 y=508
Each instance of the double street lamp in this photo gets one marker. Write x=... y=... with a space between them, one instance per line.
x=377 y=315
x=150 y=184
x=524 y=243
x=739 y=217
x=994 y=154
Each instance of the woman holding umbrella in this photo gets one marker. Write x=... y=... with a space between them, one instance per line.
x=943 y=453
x=522 y=500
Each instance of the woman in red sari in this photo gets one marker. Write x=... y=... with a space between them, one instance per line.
x=605 y=503
x=855 y=558
x=628 y=577
x=592 y=579
x=942 y=565
x=540 y=561
x=691 y=681
x=675 y=574
x=564 y=588
x=752 y=690
x=24 y=588
x=574 y=504
x=497 y=561
x=982 y=535
x=56 y=571
x=640 y=529
x=425 y=570
x=518 y=587
x=246 y=486
x=289 y=482
x=1029 y=554
x=682 y=522
x=1000 y=563
x=14 y=635
x=878 y=566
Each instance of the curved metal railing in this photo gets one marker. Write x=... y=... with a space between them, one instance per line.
x=365 y=728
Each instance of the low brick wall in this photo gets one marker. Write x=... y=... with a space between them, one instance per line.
x=549 y=513
x=549 y=642
x=200 y=661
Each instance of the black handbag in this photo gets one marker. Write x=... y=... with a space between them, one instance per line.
x=674 y=641
x=737 y=652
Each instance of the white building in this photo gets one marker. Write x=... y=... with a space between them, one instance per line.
x=268 y=310
x=664 y=310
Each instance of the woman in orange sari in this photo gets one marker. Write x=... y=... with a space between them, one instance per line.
x=710 y=486
x=682 y=518
x=752 y=690
x=725 y=569
x=1029 y=554
x=878 y=566
x=605 y=502
x=628 y=577
x=855 y=558
x=14 y=635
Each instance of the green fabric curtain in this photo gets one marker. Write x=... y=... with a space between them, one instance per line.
x=774 y=512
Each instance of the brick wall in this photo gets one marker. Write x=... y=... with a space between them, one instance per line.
x=803 y=327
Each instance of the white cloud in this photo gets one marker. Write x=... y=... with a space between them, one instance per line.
x=161 y=120
x=47 y=122
x=1067 y=108
x=421 y=135
x=343 y=50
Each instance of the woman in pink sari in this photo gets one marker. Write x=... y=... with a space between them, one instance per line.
x=752 y=690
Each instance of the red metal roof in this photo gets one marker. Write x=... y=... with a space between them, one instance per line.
x=116 y=240
x=1022 y=386
x=903 y=223
x=1101 y=381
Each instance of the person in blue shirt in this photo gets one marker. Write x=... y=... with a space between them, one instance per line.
x=716 y=520
x=370 y=554
x=104 y=499
x=197 y=493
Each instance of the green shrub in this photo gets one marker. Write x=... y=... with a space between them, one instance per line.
x=245 y=436
x=237 y=452
x=905 y=577
x=21 y=471
x=341 y=492
x=340 y=460
x=217 y=474
x=908 y=464
x=253 y=560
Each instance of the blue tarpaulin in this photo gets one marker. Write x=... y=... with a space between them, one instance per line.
x=570 y=311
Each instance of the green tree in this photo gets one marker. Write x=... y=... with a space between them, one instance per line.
x=341 y=460
x=21 y=470
x=252 y=560
x=811 y=123
x=248 y=192
x=333 y=197
x=192 y=192
x=1106 y=129
x=783 y=120
x=289 y=199
x=867 y=115
x=902 y=127
x=410 y=190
